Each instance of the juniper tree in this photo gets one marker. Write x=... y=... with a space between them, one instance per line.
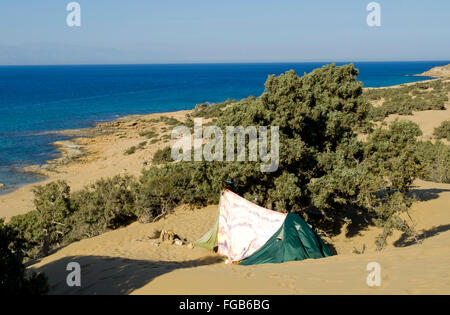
x=322 y=163
x=52 y=203
x=13 y=278
x=318 y=116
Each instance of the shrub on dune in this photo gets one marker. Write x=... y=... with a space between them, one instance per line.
x=162 y=156
x=443 y=131
x=435 y=159
x=13 y=277
x=105 y=205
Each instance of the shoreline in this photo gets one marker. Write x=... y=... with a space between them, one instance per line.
x=82 y=159
x=69 y=150
x=405 y=84
x=95 y=153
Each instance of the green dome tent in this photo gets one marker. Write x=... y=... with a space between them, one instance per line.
x=249 y=234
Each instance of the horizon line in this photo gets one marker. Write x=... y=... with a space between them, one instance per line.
x=218 y=63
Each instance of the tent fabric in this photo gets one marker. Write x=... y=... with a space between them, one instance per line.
x=243 y=227
x=295 y=240
x=249 y=234
x=209 y=240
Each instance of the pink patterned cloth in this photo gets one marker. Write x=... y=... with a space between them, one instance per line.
x=244 y=227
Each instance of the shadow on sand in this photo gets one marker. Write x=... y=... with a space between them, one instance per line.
x=112 y=275
x=406 y=240
x=423 y=195
x=427 y=194
x=362 y=220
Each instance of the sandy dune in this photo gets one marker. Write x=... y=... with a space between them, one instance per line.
x=126 y=262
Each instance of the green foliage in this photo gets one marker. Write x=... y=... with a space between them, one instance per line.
x=388 y=170
x=162 y=156
x=28 y=228
x=435 y=159
x=389 y=217
x=161 y=189
x=170 y=121
x=107 y=204
x=408 y=98
x=322 y=163
x=443 y=131
x=317 y=114
x=149 y=134
x=130 y=151
x=61 y=217
x=13 y=279
x=390 y=154
x=207 y=110
x=52 y=203
x=189 y=123
x=134 y=148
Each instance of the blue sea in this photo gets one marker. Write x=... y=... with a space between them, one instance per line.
x=35 y=100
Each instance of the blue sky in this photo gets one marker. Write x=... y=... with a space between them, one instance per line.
x=150 y=31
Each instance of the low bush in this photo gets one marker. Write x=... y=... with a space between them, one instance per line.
x=389 y=168
x=29 y=230
x=105 y=205
x=62 y=217
x=163 y=156
x=161 y=189
x=408 y=98
x=130 y=151
x=443 y=131
x=435 y=159
x=166 y=120
x=207 y=110
x=148 y=134
x=52 y=203
x=13 y=277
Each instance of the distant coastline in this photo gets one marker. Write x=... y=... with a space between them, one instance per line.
x=437 y=72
